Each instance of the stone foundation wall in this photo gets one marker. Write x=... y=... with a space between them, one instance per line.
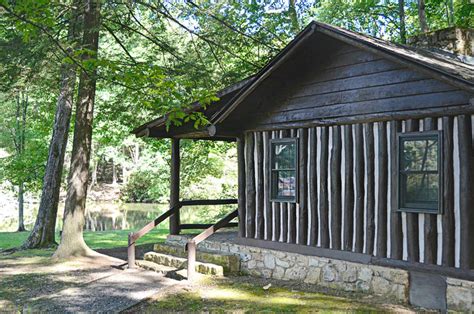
x=390 y=283
x=336 y=274
x=460 y=295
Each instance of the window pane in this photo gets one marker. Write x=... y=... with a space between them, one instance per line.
x=420 y=155
x=285 y=183
x=284 y=155
x=420 y=190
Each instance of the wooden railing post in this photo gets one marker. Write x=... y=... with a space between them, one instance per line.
x=192 y=243
x=174 y=185
x=131 y=251
x=191 y=259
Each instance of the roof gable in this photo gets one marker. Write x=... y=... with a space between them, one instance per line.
x=340 y=84
x=450 y=71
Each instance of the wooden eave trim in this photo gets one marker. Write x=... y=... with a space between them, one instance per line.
x=366 y=118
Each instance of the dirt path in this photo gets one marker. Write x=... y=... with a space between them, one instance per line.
x=121 y=252
x=35 y=283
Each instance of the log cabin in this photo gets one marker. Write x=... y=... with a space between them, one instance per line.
x=355 y=167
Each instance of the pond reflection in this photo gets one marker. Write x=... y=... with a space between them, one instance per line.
x=113 y=216
x=102 y=216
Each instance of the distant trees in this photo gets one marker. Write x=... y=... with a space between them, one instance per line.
x=23 y=96
x=394 y=20
x=16 y=128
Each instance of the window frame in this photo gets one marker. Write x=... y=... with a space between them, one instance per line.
x=273 y=189
x=424 y=135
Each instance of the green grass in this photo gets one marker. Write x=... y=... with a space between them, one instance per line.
x=95 y=239
x=247 y=297
x=11 y=239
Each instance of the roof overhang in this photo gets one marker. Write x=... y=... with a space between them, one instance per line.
x=157 y=127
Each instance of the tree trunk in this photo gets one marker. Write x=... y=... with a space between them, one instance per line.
x=295 y=25
x=401 y=13
x=94 y=173
x=42 y=234
x=450 y=10
x=124 y=166
x=21 y=110
x=72 y=241
x=422 y=16
x=114 y=173
x=21 y=225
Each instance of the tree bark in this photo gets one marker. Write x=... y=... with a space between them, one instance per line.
x=401 y=13
x=422 y=16
x=72 y=241
x=43 y=233
x=21 y=225
x=21 y=110
x=295 y=25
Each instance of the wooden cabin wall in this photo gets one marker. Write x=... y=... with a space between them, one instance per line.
x=344 y=85
x=347 y=192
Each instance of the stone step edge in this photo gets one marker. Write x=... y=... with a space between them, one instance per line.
x=181 y=263
x=160 y=269
x=230 y=261
x=180 y=248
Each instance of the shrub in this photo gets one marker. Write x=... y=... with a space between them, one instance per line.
x=145 y=187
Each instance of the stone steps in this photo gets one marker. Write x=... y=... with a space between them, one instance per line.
x=228 y=261
x=157 y=268
x=178 y=263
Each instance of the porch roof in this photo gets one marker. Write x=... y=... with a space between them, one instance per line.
x=157 y=127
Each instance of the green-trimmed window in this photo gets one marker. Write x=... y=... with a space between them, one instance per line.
x=283 y=168
x=419 y=165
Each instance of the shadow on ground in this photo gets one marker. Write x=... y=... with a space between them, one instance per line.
x=37 y=283
x=121 y=252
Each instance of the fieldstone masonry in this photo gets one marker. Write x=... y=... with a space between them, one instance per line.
x=454 y=39
x=460 y=295
x=336 y=274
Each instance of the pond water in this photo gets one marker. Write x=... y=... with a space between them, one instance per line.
x=103 y=216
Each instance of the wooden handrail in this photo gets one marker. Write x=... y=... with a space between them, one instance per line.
x=134 y=236
x=209 y=202
x=204 y=226
x=192 y=243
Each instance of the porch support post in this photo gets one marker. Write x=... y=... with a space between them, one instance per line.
x=174 y=185
x=241 y=187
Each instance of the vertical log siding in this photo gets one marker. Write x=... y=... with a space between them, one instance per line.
x=347 y=192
